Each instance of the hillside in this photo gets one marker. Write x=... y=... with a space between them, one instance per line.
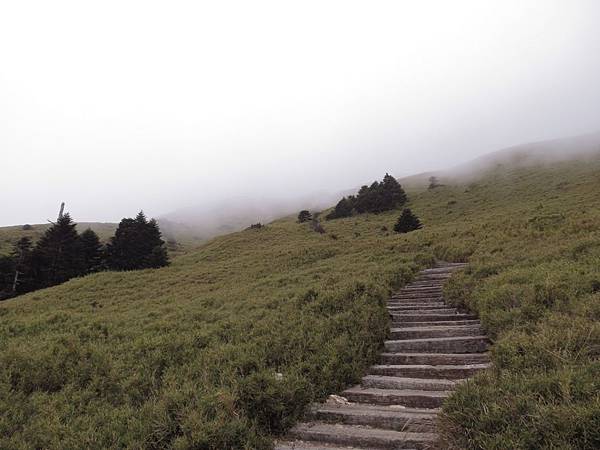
x=227 y=346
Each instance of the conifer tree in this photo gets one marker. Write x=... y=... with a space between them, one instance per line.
x=22 y=261
x=394 y=195
x=304 y=216
x=91 y=251
x=342 y=209
x=407 y=222
x=7 y=274
x=137 y=244
x=57 y=256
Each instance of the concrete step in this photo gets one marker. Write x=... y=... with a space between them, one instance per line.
x=423 y=288
x=415 y=301
x=430 y=317
x=416 y=398
x=418 y=304
x=439 y=323
x=435 y=332
x=362 y=437
x=424 y=309
x=303 y=445
x=470 y=344
x=434 y=359
x=416 y=295
x=384 y=417
x=428 y=372
x=393 y=382
x=423 y=285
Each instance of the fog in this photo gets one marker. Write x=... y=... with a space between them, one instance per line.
x=118 y=106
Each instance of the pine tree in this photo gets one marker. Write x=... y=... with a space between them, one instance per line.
x=57 y=255
x=407 y=222
x=157 y=256
x=433 y=183
x=342 y=209
x=393 y=194
x=7 y=274
x=304 y=216
x=22 y=258
x=137 y=244
x=91 y=249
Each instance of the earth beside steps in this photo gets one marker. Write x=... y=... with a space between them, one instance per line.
x=433 y=347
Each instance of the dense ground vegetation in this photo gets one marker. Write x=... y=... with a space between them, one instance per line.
x=224 y=348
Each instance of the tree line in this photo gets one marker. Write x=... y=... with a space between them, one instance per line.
x=62 y=253
x=380 y=196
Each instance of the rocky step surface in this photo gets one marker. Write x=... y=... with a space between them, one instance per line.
x=432 y=348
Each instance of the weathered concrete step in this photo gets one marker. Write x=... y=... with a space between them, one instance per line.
x=417 y=301
x=435 y=332
x=471 y=344
x=433 y=276
x=303 y=445
x=421 y=288
x=423 y=285
x=417 y=305
x=415 y=295
x=407 y=397
x=384 y=417
x=362 y=437
x=394 y=382
x=434 y=359
x=424 y=309
x=438 y=323
x=429 y=372
x=426 y=317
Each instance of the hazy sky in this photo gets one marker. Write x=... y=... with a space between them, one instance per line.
x=117 y=106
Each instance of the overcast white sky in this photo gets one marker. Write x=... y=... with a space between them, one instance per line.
x=115 y=106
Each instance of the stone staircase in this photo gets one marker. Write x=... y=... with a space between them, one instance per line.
x=432 y=348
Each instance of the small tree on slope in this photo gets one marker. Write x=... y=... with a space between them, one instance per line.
x=407 y=222
x=304 y=216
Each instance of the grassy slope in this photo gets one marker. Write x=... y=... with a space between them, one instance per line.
x=189 y=356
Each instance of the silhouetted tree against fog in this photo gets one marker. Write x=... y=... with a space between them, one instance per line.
x=57 y=256
x=376 y=198
x=137 y=244
x=22 y=255
x=91 y=249
x=342 y=209
x=304 y=216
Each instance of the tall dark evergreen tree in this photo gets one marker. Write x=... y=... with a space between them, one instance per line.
x=57 y=256
x=393 y=194
x=137 y=244
x=7 y=274
x=23 y=271
x=407 y=222
x=342 y=209
x=91 y=249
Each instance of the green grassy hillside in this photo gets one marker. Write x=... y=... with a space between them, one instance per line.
x=225 y=348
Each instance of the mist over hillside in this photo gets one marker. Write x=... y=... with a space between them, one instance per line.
x=204 y=221
x=519 y=156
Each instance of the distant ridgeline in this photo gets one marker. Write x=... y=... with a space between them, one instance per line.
x=379 y=197
x=61 y=254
